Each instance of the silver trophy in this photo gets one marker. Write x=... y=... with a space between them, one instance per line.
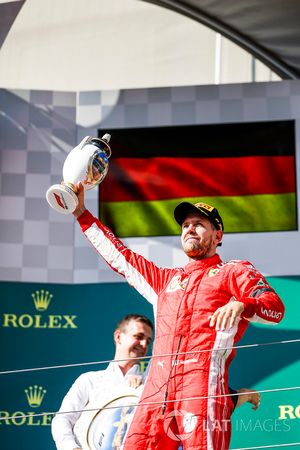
x=87 y=163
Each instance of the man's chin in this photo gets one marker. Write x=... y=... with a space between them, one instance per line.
x=137 y=355
x=193 y=252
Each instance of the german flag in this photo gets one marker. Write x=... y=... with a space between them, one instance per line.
x=245 y=170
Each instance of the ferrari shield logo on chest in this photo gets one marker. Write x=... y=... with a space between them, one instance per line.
x=177 y=283
x=213 y=272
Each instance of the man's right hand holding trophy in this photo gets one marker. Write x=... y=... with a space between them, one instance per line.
x=84 y=168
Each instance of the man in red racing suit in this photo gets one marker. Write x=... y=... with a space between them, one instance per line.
x=201 y=311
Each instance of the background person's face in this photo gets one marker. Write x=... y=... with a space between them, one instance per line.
x=134 y=341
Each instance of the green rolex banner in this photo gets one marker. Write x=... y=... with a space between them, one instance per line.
x=49 y=325
x=46 y=325
x=274 y=369
x=246 y=170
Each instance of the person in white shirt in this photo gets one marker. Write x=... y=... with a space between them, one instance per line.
x=132 y=338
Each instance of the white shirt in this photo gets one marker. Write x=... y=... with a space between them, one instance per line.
x=87 y=388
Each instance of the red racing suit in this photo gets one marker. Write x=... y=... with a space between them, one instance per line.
x=198 y=356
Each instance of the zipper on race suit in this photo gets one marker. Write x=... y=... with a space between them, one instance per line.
x=164 y=403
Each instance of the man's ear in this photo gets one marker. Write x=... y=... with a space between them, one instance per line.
x=117 y=336
x=219 y=236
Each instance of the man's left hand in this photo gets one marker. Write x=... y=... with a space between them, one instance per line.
x=135 y=381
x=225 y=317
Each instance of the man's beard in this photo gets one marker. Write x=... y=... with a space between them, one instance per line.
x=198 y=250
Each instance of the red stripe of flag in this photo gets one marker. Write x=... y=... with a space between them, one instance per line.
x=166 y=178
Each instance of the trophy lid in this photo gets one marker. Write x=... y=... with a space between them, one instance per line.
x=106 y=137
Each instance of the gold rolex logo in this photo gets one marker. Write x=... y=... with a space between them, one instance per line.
x=42 y=299
x=35 y=395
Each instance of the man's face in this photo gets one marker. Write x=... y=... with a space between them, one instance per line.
x=199 y=238
x=134 y=340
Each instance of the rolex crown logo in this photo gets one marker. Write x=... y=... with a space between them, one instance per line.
x=41 y=299
x=35 y=395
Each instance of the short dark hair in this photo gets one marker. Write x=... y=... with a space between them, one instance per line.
x=122 y=324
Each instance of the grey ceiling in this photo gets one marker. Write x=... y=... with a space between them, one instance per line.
x=269 y=29
x=8 y=13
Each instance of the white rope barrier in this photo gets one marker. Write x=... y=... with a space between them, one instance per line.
x=264 y=391
x=63 y=366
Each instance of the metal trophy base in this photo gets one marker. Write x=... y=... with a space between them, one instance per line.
x=105 y=420
x=62 y=198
